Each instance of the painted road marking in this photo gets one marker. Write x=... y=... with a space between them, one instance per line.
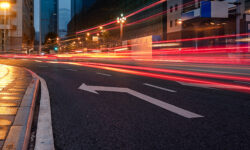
x=161 y=88
x=196 y=85
x=164 y=105
x=104 y=74
x=44 y=132
x=213 y=71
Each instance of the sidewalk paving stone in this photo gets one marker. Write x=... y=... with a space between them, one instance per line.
x=13 y=85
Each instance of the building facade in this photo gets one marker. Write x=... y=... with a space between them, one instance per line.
x=17 y=23
x=64 y=18
x=76 y=7
x=49 y=17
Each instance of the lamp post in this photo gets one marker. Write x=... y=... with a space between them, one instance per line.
x=121 y=20
x=4 y=6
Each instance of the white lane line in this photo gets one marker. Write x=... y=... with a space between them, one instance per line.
x=161 y=88
x=213 y=71
x=197 y=85
x=44 y=132
x=104 y=74
x=44 y=135
x=70 y=69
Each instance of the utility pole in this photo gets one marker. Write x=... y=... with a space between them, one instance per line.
x=121 y=20
x=5 y=24
x=164 y=21
x=4 y=6
x=238 y=17
x=40 y=27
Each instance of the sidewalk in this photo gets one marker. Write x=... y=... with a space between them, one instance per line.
x=17 y=95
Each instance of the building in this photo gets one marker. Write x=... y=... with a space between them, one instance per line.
x=149 y=27
x=18 y=26
x=49 y=17
x=76 y=7
x=64 y=18
x=211 y=18
x=92 y=17
x=79 y=8
x=246 y=16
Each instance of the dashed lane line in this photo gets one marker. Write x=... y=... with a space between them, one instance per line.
x=104 y=74
x=161 y=88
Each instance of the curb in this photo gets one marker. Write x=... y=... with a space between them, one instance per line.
x=44 y=132
x=19 y=134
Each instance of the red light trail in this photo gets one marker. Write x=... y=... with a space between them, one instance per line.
x=132 y=14
x=190 y=73
x=208 y=83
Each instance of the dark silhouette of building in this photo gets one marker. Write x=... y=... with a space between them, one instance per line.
x=49 y=17
x=104 y=11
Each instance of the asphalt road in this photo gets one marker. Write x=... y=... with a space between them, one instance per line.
x=114 y=120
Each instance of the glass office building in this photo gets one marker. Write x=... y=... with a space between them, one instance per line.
x=49 y=17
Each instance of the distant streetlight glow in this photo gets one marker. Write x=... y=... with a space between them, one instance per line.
x=179 y=21
x=88 y=34
x=121 y=20
x=4 y=5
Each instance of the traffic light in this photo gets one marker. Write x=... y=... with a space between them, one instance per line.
x=56 y=48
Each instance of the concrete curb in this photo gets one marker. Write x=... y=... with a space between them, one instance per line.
x=44 y=134
x=19 y=134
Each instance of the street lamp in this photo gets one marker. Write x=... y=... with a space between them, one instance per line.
x=179 y=21
x=4 y=6
x=121 y=20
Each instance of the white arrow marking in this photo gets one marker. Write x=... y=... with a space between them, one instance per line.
x=166 y=106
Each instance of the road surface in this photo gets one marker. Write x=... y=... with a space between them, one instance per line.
x=91 y=110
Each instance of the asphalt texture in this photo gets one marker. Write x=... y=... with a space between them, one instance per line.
x=111 y=120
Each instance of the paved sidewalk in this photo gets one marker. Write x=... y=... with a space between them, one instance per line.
x=13 y=84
